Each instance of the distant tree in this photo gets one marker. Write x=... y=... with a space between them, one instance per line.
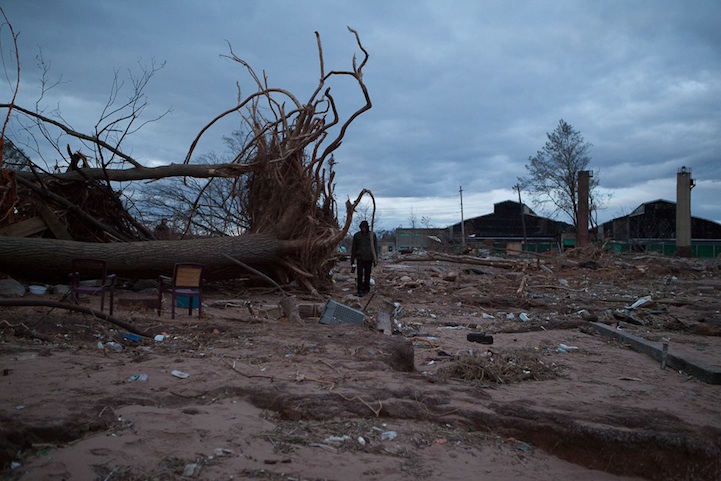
x=413 y=219
x=553 y=172
x=15 y=158
x=199 y=207
x=387 y=235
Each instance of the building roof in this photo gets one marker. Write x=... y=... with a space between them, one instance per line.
x=506 y=222
x=656 y=220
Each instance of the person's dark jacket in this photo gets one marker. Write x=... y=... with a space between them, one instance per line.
x=361 y=248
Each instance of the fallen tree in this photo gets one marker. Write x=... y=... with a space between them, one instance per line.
x=283 y=176
x=50 y=259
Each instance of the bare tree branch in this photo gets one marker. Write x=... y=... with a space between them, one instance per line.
x=16 y=87
x=74 y=133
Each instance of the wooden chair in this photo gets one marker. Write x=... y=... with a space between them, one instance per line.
x=90 y=277
x=188 y=282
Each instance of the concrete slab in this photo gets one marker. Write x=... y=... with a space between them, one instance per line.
x=674 y=359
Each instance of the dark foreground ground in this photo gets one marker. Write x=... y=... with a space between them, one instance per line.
x=244 y=394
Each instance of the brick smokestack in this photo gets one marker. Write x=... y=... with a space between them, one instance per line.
x=684 y=184
x=582 y=227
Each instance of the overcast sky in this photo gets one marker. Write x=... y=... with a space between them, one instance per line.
x=463 y=91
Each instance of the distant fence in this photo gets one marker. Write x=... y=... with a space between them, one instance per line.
x=698 y=248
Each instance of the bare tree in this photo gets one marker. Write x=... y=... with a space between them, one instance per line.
x=194 y=206
x=553 y=172
x=8 y=187
x=412 y=219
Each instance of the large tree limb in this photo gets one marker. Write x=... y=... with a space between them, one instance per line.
x=73 y=133
x=71 y=307
x=199 y=171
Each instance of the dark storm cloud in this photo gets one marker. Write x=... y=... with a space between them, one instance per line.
x=463 y=92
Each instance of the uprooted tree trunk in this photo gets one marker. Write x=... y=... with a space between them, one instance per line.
x=283 y=175
x=50 y=259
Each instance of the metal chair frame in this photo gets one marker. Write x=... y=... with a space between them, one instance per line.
x=90 y=277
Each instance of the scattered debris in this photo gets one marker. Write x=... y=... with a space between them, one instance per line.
x=480 y=338
x=565 y=348
x=512 y=366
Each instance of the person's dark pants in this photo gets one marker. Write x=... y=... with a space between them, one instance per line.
x=364 y=275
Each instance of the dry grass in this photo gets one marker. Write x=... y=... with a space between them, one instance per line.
x=509 y=367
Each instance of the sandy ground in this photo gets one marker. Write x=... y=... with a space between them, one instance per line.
x=245 y=394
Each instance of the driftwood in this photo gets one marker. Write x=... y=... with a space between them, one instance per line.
x=287 y=303
x=461 y=259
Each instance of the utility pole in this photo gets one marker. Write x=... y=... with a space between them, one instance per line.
x=463 y=229
x=584 y=179
x=684 y=184
x=523 y=215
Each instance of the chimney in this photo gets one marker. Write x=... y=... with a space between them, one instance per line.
x=582 y=226
x=684 y=184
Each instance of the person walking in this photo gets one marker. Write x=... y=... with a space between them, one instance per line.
x=364 y=254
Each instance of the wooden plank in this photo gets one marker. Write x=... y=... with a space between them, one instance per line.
x=24 y=228
x=54 y=224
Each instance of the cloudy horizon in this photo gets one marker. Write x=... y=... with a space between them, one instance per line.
x=463 y=91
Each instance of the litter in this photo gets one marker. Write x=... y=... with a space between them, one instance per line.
x=640 y=302
x=191 y=470
x=479 y=338
x=336 y=313
x=132 y=337
x=222 y=451
x=337 y=439
x=564 y=348
x=116 y=346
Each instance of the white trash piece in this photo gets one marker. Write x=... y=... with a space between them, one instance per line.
x=336 y=440
x=565 y=348
x=38 y=290
x=640 y=302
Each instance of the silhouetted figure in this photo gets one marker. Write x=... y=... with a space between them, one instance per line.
x=365 y=251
